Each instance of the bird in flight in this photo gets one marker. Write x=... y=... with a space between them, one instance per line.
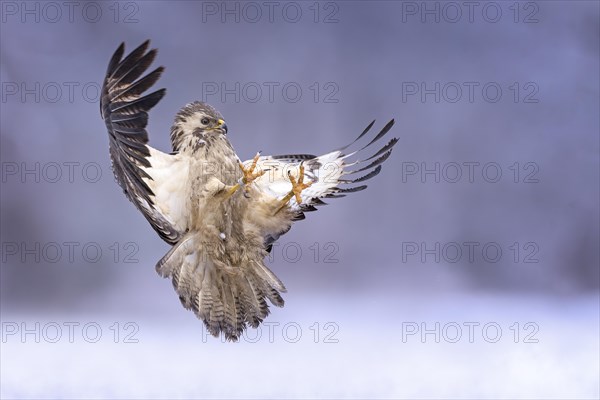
x=221 y=215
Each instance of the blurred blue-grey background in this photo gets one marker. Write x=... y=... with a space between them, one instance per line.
x=468 y=269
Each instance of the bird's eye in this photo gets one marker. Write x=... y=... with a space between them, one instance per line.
x=204 y=121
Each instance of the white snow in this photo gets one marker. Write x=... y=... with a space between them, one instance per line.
x=312 y=349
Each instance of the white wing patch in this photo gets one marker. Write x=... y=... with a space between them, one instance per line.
x=170 y=185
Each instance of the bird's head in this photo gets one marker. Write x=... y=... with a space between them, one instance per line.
x=195 y=122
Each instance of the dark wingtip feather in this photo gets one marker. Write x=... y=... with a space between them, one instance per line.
x=294 y=157
x=115 y=59
x=130 y=60
x=363 y=178
x=110 y=69
x=142 y=104
x=381 y=134
x=143 y=46
x=354 y=189
x=364 y=132
x=156 y=96
x=373 y=164
x=299 y=217
x=141 y=85
x=140 y=66
x=308 y=208
x=318 y=201
x=384 y=149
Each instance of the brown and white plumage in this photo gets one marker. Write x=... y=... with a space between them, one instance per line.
x=220 y=235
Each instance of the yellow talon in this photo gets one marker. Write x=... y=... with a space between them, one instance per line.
x=298 y=186
x=248 y=178
x=249 y=175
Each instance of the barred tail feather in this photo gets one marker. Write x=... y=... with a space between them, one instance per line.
x=226 y=298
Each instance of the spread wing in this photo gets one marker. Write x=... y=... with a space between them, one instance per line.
x=332 y=175
x=150 y=179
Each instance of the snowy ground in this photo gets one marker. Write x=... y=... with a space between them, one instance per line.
x=311 y=351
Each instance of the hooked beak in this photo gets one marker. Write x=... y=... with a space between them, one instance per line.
x=222 y=125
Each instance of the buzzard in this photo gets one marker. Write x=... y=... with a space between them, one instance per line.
x=220 y=215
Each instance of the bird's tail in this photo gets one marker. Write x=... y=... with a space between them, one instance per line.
x=227 y=298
